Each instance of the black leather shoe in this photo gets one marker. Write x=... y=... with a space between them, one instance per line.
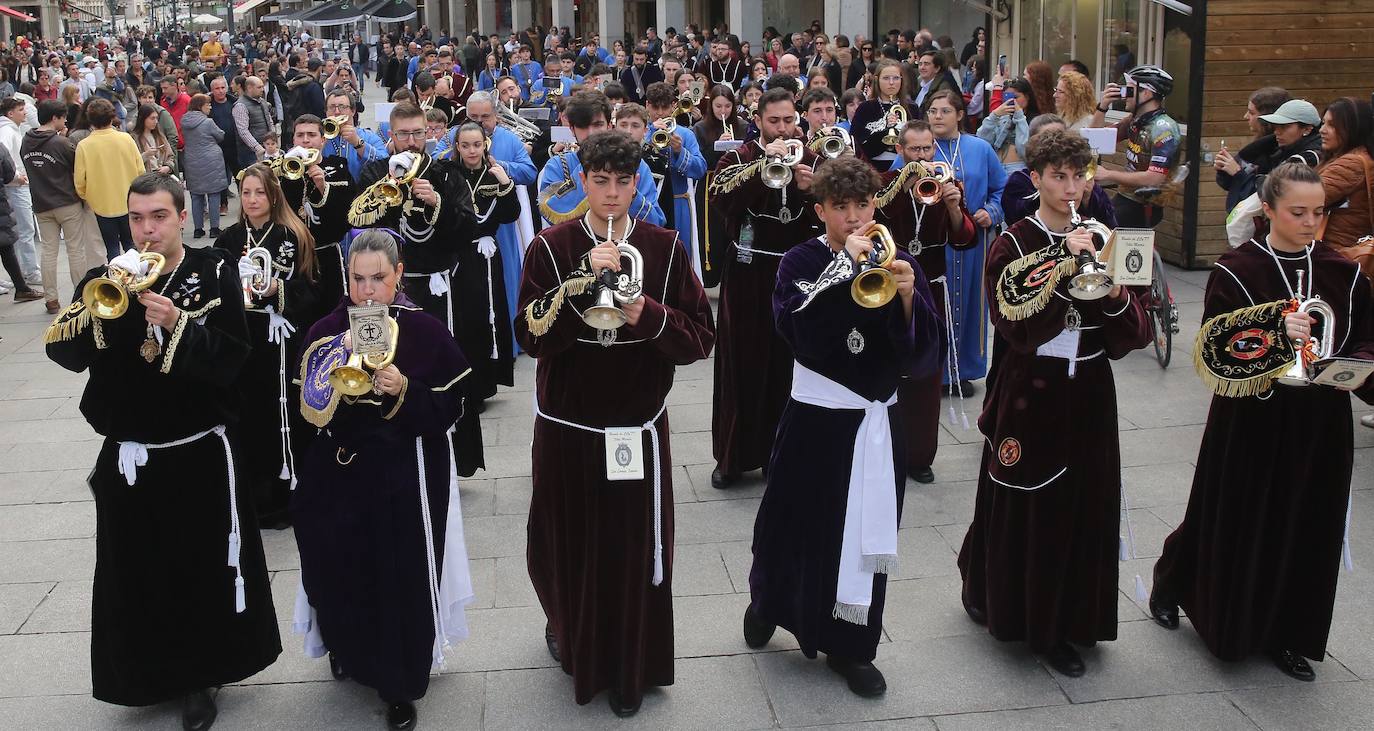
x=199 y=711
x=757 y=633
x=975 y=613
x=552 y=641
x=1163 y=609
x=1294 y=665
x=620 y=707
x=863 y=679
x=1063 y=658
x=721 y=480
x=336 y=668
x=401 y=715
x=924 y=475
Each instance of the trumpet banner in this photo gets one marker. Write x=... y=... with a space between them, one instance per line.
x=1241 y=353
x=318 y=396
x=1027 y=284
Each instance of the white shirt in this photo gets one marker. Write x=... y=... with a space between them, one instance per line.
x=11 y=138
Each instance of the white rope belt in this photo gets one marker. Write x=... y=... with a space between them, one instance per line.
x=133 y=455
x=953 y=354
x=436 y=606
x=752 y=250
x=439 y=284
x=658 y=476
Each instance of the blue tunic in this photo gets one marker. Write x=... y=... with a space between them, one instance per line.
x=685 y=164
x=644 y=206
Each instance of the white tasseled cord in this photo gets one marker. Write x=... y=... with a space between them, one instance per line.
x=440 y=637
x=235 y=536
x=952 y=367
x=288 y=465
x=1345 y=542
x=491 y=311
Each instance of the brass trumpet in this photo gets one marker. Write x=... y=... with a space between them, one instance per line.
x=330 y=127
x=663 y=136
x=390 y=188
x=687 y=100
x=929 y=186
x=874 y=285
x=297 y=161
x=612 y=287
x=1313 y=350
x=260 y=280
x=894 y=132
x=1092 y=281
x=831 y=142
x=777 y=171
x=107 y=297
x=354 y=377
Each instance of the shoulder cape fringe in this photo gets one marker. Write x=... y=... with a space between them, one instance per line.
x=541 y=313
x=67 y=325
x=368 y=208
x=1027 y=284
x=733 y=176
x=1211 y=344
x=553 y=216
x=317 y=417
x=888 y=193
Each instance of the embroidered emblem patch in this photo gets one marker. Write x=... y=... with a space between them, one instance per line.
x=914 y=247
x=1250 y=344
x=1009 y=452
x=855 y=341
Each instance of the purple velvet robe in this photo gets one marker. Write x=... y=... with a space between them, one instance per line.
x=1255 y=560
x=800 y=524
x=907 y=221
x=1041 y=554
x=753 y=369
x=359 y=526
x=591 y=540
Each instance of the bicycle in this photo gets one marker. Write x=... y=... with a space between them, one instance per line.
x=1162 y=312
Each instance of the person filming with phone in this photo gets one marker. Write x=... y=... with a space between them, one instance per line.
x=1153 y=142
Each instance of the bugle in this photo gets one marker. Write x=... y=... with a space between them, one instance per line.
x=874 y=286
x=894 y=132
x=777 y=171
x=297 y=161
x=259 y=280
x=930 y=185
x=107 y=297
x=1311 y=350
x=354 y=377
x=616 y=287
x=1092 y=281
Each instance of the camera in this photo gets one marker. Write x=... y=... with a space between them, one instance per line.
x=1127 y=91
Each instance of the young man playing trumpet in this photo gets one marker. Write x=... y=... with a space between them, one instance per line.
x=321 y=198
x=925 y=214
x=826 y=534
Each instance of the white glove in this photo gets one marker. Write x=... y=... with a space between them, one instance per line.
x=279 y=329
x=437 y=284
x=129 y=262
x=486 y=246
x=400 y=163
x=248 y=269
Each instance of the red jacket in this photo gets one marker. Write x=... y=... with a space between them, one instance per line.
x=177 y=107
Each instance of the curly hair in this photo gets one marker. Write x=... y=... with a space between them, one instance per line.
x=1060 y=149
x=844 y=180
x=1079 y=99
x=609 y=152
x=583 y=106
x=1041 y=78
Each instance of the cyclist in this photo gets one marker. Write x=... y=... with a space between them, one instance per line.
x=1152 y=143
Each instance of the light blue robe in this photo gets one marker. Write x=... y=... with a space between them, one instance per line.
x=373 y=149
x=688 y=164
x=644 y=206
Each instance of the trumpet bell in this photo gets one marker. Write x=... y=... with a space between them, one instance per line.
x=660 y=139
x=776 y=175
x=832 y=147
x=873 y=288
x=330 y=128
x=604 y=317
x=1091 y=282
x=105 y=298
x=390 y=193
x=350 y=378
x=928 y=191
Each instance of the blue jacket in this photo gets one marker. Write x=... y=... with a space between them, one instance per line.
x=643 y=207
x=373 y=149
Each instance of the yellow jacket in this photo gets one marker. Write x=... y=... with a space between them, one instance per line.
x=106 y=163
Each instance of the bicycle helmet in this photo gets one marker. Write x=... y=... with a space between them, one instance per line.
x=1153 y=78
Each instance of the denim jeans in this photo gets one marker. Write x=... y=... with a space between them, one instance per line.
x=115 y=231
x=360 y=74
x=200 y=203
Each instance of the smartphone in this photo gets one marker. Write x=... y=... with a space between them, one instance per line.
x=1127 y=91
x=552 y=82
x=1008 y=96
x=1002 y=65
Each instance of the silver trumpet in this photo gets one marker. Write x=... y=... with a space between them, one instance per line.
x=260 y=280
x=616 y=287
x=1091 y=282
x=777 y=171
x=1300 y=374
x=831 y=142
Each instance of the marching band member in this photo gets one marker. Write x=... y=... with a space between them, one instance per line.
x=552 y=86
x=610 y=621
x=1254 y=561
x=1021 y=199
x=161 y=390
x=638 y=76
x=817 y=112
x=483 y=314
x=634 y=120
x=721 y=125
x=588 y=112
x=321 y=198
x=685 y=166
x=826 y=534
x=1039 y=562
x=889 y=106
x=724 y=68
x=287 y=302
x=924 y=229
x=753 y=369
x=384 y=569
x=427 y=96
x=356 y=145
x=525 y=71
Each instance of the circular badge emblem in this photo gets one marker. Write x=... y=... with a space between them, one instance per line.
x=623 y=455
x=1134 y=262
x=1009 y=452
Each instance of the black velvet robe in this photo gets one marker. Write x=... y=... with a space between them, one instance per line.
x=908 y=220
x=1041 y=554
x=869 y=126
x=163 y=619
x=800 y=524
x=327 y=216
x=1255 y=560
x=359 y=525
x=591 y=540
x=266 y=376
x=482 y=309
x=753 y=368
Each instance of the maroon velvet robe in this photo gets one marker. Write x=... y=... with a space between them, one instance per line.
x=910 y=221
x=753 y=373
x=1041 y=554
x=591 y=540
x=1255 y=560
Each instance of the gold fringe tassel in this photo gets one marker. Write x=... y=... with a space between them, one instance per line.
x=1232 y=387
x=888 y=193
x=1042 y=298
x=733 y=176
x=540 y=324
x=72 y=322
x=555 y=217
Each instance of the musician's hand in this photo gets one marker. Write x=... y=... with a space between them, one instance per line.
x=388 y=380
x=272 y=286
x=632 y=311
x=559 y=147
x=674 y=143
x=348 y=340
x=1298 y=326
x=1079 y=240
x=776 y=148
x=905 y=277
x=604 y=256
x=892 y=119
x=423 y=191
x=952 y=195
x=802 y=175
x=858 y=247
x=316 y=174
x=349 y=133
x=982 y=218
x=159 y=310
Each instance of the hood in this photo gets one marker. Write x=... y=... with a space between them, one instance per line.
x=40 y=136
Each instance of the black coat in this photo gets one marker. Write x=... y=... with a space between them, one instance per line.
x=7 y=234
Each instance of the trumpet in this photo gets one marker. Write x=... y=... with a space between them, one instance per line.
x=687 y=100
x=1092 y=281
x=663 y=136
x=354 y=377
x=777 y=171
x=295 y=163
x=612 y=287
x=894 y=133
x=831 y=142
x=260 y=280
x=874 y=285
x=1312 y=350
x=402 y=169
x=332 y=126
x=107 y=297
x=929 y=185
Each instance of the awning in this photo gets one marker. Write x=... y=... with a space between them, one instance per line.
x=282 y=16
x=316 y=11
x=342 y=12
x=389 y=11
x=93 y=18
x=1176 y=6
x=18 y=15
x=244 y=8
